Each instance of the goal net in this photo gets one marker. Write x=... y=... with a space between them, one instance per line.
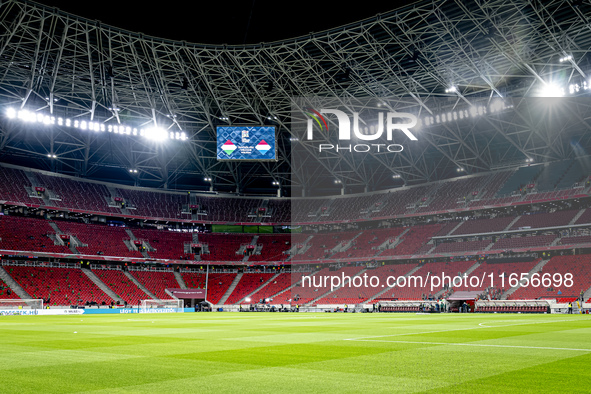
x=21 y=304
x=161 y=306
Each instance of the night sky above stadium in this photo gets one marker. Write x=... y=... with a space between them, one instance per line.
x=224 y=22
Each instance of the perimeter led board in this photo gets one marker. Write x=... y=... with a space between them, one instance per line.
x=246 y=143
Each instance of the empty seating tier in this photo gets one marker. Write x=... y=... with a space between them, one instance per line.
x=121 y=285
x=58 y=286
x=157 y=282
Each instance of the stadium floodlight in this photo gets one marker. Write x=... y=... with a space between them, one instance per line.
x=23 y=115
x=466 y=113
x=578 y=87
x=451 y=89
x=566 y=58
x=156 y=134
x=551 y=89
x=496 y=106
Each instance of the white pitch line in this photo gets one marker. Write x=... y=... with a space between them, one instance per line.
x=483 y=324
x=464 y=329
x=478 y=345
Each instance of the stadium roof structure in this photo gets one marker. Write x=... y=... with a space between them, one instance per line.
x=434 y=57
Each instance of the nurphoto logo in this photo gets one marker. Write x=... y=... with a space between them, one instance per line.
x=394 y=121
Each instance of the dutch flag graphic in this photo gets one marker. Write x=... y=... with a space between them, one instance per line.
x=263 y=147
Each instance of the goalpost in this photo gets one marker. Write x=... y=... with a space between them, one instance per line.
x=12 y=304
x=161 y=306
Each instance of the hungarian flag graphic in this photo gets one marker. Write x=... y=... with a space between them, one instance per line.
x=228 y=147
x=263 y=147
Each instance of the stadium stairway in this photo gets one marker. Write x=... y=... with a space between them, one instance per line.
x=433 y=246
x=54 y=226
x=74 y=243
x=130 y=243
x=149 y=248
x=342 y=247
x=102 y=285
x=455 y=228
x=141 y=286
x=577 y=216
x=386 y=289
x=378 y=206
x=145 y=243
x=387 y=245
x=131 y=235
x=587 y=294
x=294 y=251
x=471 y=269
x=224 y=298
x=14 y=286
x=513 y=289
x=512 y=223
x=294 y=284
x=35 y=183
x=332 y=291
x=57 y=240
x=179 y=278
x=489 y=246
x=259 y=288
x=467 y=273
x=253 y=242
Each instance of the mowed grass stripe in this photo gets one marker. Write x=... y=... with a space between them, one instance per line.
x=87 y=376
x=287 y=380
x=480 y=345
x=283 y=355
x=561 y=376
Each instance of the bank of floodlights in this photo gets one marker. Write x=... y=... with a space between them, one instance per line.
x=157 y=134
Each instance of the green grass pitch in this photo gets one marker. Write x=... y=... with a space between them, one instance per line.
x=295 y=352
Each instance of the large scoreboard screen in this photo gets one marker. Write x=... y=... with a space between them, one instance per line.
x=246 y=143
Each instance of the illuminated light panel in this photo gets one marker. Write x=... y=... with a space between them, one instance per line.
x=154 y=133
x=463 y=114
x=551 y=90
